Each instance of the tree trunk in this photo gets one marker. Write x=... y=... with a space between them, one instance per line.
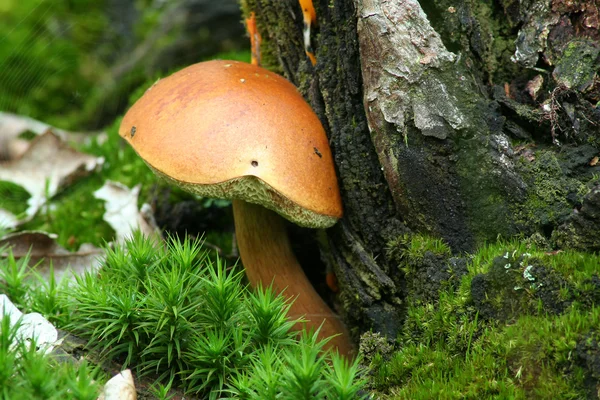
x=464 y=120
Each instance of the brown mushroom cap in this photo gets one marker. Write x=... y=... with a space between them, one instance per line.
x=233 y=130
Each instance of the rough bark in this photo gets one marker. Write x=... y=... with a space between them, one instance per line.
x=464 y=120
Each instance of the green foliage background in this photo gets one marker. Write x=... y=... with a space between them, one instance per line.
x=52 y=53
x=59 y=58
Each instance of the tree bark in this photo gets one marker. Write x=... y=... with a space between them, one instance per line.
x=463 y=120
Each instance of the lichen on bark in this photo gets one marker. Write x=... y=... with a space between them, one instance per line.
x=432 y=127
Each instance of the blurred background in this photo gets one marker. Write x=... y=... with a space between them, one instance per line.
x=77 y=65
x=73 y=63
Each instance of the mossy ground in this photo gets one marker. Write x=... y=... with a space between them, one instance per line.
x=518 y=323
x=25 y=373
x=178 y=320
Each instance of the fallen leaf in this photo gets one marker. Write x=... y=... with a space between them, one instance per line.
x=13 y=125
x=33 y=326
x=47 y=166
x=43 y=249
x=7 y=219
x=526 y=151
x=122 y=212
x=120 y=387
x=507 y=90
x=594 y=161
x=533 y=86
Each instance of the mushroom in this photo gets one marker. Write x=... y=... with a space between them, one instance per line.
x=233 y=130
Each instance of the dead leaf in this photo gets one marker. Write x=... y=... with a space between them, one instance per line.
x=533 y=86
x=33 y=326
x=13 y=125
x=526 y=151
x=47 y=166
x=122 y=212
x=43 y=248
x=7 y=219
x=120 y=387
x=594 y=161
x=507 y=90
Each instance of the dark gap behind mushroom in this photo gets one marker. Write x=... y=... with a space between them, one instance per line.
x=304 y=246
x=179 y=213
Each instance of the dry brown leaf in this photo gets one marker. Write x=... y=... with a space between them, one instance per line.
x=44 y=249
x=13 y=125
x=122 y=212
x=533 y=86
x=47 y=166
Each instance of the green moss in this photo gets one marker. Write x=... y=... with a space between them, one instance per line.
x=577 y=66
x=447 y=348
x=552 y=195
x=51 y=56
x=427 y=266
x=26 y=373
x=412 y=248
x=495 y=43
x=487 y=191
x=178 y=318
x=486 y=32
x=75 y=216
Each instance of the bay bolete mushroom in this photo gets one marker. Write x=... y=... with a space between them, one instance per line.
x=233 y=130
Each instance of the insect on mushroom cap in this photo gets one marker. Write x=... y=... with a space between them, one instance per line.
x=233 y=130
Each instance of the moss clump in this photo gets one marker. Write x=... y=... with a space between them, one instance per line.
x=577 y=65
x=412 y=248
x=175 y=316
x=552 y=195
x=505 y=341
x=588 y=356
x=29 y=374
x=427 y=265
x=517 y=284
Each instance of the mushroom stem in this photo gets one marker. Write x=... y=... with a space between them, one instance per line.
x=267 y=256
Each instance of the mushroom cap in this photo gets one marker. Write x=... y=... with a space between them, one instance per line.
x=233 y=130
